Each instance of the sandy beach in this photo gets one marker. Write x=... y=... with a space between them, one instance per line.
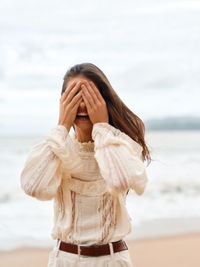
x=171 y=251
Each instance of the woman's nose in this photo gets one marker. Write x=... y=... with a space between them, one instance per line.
x=82 y=104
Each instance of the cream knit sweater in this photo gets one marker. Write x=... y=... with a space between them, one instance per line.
x=87 y=181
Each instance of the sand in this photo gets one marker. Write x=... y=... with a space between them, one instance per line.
x=171 y=251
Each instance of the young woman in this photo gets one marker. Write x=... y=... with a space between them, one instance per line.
x=89 y=174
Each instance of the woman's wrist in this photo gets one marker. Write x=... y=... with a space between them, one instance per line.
x=66 y=126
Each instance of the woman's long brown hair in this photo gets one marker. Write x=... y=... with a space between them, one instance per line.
x=120 y=116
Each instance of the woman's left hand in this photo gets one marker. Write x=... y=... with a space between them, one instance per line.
x=96 y=105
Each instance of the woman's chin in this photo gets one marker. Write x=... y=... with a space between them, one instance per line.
x=84 y=123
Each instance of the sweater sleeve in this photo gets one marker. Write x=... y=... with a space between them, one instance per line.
x=119 y=158
x=42 y=172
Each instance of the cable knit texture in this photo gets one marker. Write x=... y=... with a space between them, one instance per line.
x=87 y=181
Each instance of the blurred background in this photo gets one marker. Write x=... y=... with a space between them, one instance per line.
x=149 y=51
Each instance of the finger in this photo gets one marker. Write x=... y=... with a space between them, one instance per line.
x=86 y=102
x=93 y=94
x=75 y=107
x=88 y=95
x=98 y=94
x=67 y=90
x=75 y=99
x=72 y=92
x=88 y=89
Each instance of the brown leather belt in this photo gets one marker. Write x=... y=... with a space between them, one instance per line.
x=93 y=250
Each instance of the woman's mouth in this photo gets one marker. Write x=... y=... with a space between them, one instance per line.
x=82 y=116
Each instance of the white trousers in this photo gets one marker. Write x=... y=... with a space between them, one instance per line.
x=59 y=258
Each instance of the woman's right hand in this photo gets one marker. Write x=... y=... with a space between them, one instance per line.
x=69 y=103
